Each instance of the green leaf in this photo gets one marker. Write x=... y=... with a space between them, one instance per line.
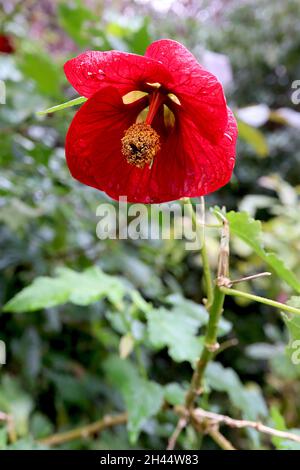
x=59 y=107
x=3 y=438
x=226 y=380
x=293 y=325
x=283 y=368
x=253 y=137
x=140 y=39
x=68 y=286
x=248 y=400
x=143 y=398
x=175 y=394
x=250 y=231
x=197 y=311
x=17 y=213
x=42 y=69
x=291 y=445
x=73 y=18
x=15 y=401
x=189 y=308
x=26 y=443
x=177 y=330
x=41 y=426
x=69 y=388
x=279 y=423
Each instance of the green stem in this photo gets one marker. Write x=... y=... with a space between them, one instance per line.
x=139 y=358
x=262 y=300
x=210 y=346
x=203 y=250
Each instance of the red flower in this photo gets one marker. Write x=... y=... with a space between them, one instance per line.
x=155 y=128
x=6 y=44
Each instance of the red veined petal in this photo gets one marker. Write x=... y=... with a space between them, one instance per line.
x=187 y=164
x=93 y=70
x=198 y=90
x=93 y=142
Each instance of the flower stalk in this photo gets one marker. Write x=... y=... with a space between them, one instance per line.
x=203 y=250
x=210 y=347
x=215 y=310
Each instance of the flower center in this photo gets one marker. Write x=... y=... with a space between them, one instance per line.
x=141 y=142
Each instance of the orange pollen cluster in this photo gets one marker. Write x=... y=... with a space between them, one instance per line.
x=140 y=144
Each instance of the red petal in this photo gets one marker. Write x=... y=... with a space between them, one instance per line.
x=187 y=165
x=199 y=91
x=92 y=70
x=93 y=142
x=6 y=44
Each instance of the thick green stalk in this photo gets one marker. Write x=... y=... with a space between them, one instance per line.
x=215 y=310
x=262 y=300
x=210 y=346
x=203 y=251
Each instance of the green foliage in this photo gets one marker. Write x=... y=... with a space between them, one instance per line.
x=68 y=286
x=175 y=394
x=250 y=231
x=177 y=332
x=248 y=400
x=254 y=138
x=16 y=403
x=142 y=299
x=293 y=325
x=280 y=443
x=74 y=18
x=39 y=67
x=142 y=398
x=140 y=39
x=178 y=328
x=279 y=423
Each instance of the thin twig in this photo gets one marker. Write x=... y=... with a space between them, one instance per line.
x=199 y=414
x=223 y=263
x=227 y=344
x=85 y=431
x=221 y=440
x=249 y=278
x=224 y=281
x=173 y=439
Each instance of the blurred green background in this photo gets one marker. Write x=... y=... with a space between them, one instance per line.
x=63 y=368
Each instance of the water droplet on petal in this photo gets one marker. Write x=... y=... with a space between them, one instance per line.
x=228 y=136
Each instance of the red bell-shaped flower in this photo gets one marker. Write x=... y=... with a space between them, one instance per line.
x=6 y=44
x=155 y=128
